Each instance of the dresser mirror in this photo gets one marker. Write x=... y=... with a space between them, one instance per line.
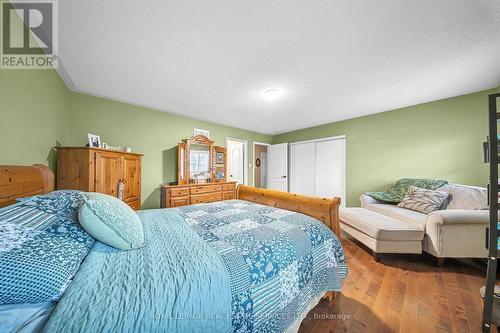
x=200 y=161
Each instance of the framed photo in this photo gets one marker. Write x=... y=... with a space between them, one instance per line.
x=219 y=158
x=199 y=131
x=94 y=140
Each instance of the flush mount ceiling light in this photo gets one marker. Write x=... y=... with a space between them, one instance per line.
x=271 y=94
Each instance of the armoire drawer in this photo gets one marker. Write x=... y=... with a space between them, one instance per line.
x=179 y=192
x=229 y=195
x=135 y=204
x=206 y=189
x=205 y=198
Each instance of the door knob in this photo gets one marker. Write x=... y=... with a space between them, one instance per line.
x=283 y=176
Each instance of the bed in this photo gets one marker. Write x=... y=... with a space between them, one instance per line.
x=255 y=264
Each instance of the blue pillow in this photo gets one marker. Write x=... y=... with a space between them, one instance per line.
x=111 y=221
x=41 y=247
x=61 y=203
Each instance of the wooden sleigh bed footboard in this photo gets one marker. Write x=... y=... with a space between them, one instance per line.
x=323 y=209
x=326 y=210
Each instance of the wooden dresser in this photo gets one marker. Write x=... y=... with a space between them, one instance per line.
x=190 y=194
x=100 y=170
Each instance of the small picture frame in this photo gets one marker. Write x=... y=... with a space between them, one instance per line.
x=199 y=131
x=94 y=140
x=219 y=158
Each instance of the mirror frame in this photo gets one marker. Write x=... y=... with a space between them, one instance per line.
x=183 y=169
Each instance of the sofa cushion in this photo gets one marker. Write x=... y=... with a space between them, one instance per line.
x=465 y=197
x=399 y=213
x=383 y=246
x=381 y=227
x=423 y=200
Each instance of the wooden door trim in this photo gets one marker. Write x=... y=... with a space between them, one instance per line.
x=256 y=143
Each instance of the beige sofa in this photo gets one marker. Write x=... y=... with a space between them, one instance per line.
x=455 y=231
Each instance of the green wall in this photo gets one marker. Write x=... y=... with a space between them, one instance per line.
x=153 y=133
x=33 y=116
x=38 y=112
x=442 y=139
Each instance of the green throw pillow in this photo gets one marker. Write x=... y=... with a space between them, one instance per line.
x=397 y=191
x=111 y=221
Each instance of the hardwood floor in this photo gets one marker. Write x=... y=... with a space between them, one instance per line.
x=398 y=295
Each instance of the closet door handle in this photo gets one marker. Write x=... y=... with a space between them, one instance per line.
x=283 y=176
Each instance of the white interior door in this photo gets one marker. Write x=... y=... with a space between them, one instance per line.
x=302 y=168
x=277 y=167
x=330 y=169
x=235 y=161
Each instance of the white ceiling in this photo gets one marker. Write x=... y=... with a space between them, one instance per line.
x=332 y=59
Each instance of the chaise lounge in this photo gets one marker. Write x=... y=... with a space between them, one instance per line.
x=457 y=230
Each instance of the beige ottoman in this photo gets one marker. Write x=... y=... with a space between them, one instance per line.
x=381 y=233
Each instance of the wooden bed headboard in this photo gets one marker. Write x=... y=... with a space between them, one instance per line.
x=21 y=181
x=323 y=209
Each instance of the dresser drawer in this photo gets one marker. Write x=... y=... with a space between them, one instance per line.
x=179 y=201
x=228 y=187
x=179 y=192
x=206 y=189
x=228 y=195
x=204 y=198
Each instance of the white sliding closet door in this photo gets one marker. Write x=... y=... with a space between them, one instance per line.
x=318 y=168
x=302 y=158
x=330 y=169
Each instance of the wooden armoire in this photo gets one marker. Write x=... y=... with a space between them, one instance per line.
x=100 y=170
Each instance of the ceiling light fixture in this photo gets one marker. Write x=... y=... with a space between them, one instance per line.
x=271 y=94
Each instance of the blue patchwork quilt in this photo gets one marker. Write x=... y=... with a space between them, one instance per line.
x=277 y=260
x=229 y=266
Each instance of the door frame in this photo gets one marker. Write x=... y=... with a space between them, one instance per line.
x=245 y=156
x=253 y=157
x=329 y=138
